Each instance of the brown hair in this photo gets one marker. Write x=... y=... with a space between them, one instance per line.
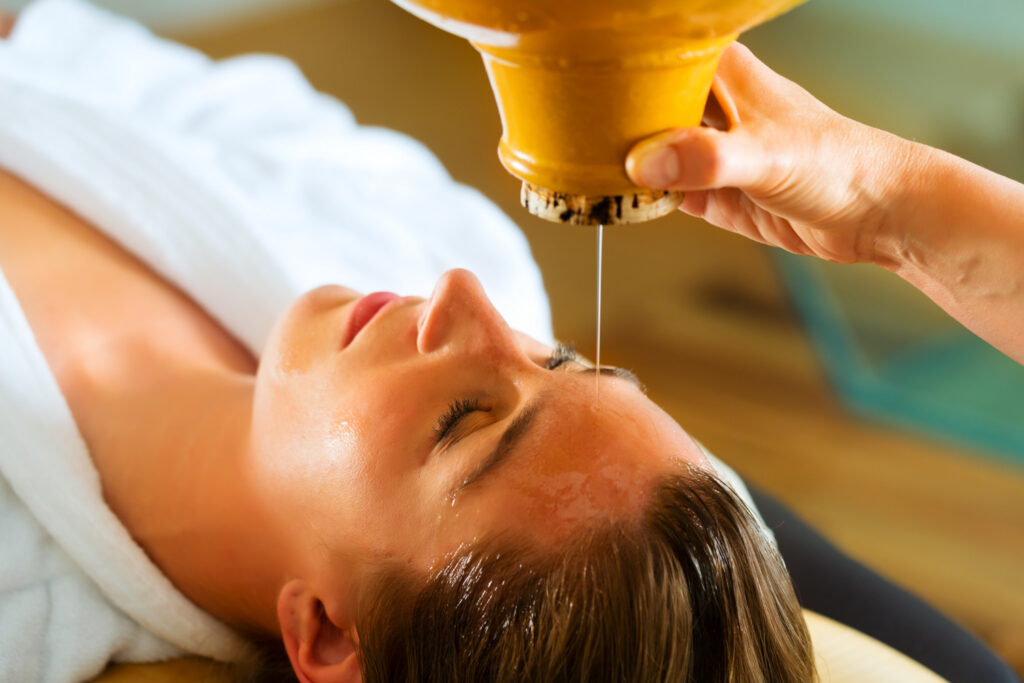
x=692 y=592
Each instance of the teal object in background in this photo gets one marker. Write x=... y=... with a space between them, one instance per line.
x=948 y=74
x=896 y=357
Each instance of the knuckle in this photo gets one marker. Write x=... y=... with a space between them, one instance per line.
x=709 y=161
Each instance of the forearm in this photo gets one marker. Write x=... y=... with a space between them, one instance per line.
x=956 y=232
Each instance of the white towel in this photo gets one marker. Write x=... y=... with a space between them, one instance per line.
x=75 y=590
x=237 y=180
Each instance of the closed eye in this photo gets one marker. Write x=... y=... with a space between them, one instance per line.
x=563 y=353
x=460 y=408
x=456 y=412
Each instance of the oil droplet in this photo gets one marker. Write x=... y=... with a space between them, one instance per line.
x=597 y=354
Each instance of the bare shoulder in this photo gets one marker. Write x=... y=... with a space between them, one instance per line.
x=6 y=24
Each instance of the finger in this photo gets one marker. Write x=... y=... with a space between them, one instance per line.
x=729 y=115
x=753 y=87
x=734 y=211
x=698 y=159
x=714 y=115
x=721 y=208
x=740 y=72
x=724 y=209
x=737 y=61
x=695 y=203
x=721 y=111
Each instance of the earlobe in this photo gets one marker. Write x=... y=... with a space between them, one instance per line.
x=320 y=650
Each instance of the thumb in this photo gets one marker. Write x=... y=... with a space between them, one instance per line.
x=698 y=159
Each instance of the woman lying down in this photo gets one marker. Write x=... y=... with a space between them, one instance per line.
x=207 y=450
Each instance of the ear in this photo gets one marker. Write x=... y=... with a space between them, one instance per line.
x=320 y=650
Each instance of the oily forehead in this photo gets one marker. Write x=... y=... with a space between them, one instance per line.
x=583 y=461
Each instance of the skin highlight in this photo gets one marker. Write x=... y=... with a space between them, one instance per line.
x=6 y=24
x=204 y=500
x=269 y=489
x=565 y=472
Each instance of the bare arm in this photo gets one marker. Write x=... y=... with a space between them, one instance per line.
x=956 y=232
x=784 y=169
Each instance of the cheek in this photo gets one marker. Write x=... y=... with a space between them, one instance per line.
x=303 y=433
x=348 y=445
x=309 y=330
x=289 y=349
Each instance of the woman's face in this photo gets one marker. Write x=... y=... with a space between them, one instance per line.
x=435 y=425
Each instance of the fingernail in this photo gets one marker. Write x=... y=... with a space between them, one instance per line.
x=658 y=166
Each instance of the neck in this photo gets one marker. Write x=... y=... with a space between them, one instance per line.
x=179 y=481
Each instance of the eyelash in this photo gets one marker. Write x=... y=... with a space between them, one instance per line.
x=458 y=409
x=461 y=407
x=563 y=353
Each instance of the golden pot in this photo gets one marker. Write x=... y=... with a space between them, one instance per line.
x=579 y=82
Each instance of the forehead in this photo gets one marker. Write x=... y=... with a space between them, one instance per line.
x=585 y=459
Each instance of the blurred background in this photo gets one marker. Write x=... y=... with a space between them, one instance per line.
x=841 y=390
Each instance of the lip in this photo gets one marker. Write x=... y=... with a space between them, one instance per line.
x=364 y=311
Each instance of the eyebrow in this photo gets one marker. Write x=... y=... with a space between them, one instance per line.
x=521 y=424
x=612 y=371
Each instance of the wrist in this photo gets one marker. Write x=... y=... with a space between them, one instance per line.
x=901 y=208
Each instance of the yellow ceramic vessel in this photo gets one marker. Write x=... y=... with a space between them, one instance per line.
x=578 y=82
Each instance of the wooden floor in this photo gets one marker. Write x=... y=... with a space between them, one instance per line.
x=701 y=316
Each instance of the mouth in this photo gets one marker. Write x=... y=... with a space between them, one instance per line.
x=364 y=311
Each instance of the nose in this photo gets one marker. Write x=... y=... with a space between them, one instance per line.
x=459 y=313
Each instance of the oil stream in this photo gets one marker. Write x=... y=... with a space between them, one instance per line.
x=597 y=354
